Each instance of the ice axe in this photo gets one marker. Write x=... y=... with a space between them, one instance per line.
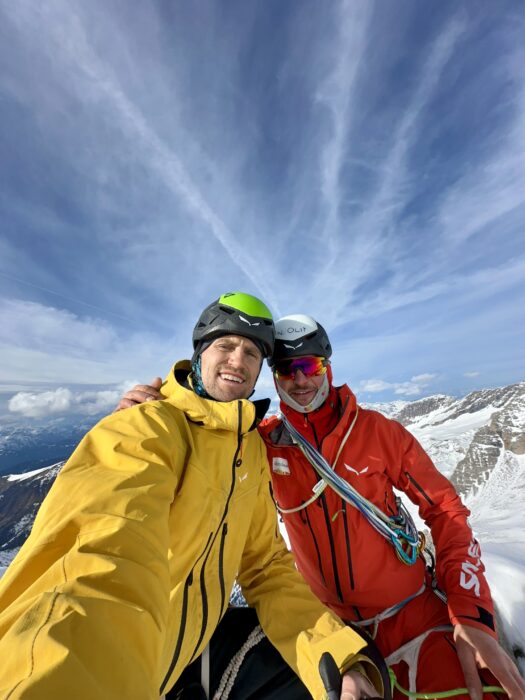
x=332 y=678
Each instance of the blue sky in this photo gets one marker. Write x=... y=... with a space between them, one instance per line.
x=360 y=162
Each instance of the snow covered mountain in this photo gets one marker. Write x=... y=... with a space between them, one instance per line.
x=20 y=499
x=30 y=444
x=468 y=438
x=477 y=441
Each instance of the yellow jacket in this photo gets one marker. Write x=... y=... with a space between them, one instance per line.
x=134 y=552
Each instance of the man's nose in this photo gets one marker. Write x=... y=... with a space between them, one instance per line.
x=300 y=378
x=236 y=357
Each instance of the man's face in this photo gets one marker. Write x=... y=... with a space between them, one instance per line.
x=301 y=388
x=230 y=367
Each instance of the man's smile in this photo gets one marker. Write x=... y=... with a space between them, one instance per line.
x=229 y=377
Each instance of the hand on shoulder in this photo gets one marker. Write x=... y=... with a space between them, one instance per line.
x=139 y=394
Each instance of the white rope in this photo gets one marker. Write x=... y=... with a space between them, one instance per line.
x=317 y=489
x=230 y=674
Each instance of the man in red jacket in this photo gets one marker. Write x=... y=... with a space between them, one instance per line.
x=353 y=541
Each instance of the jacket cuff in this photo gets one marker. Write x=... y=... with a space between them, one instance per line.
x=372 y=665
x=473 y=615
x=368 y=669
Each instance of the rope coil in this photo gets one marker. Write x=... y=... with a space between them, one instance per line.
x=399 y=530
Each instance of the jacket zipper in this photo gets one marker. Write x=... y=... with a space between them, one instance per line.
x=348 y=550
x=210 y=542
x=183 y=616
x=332 y=547
x=204 y=597
x=204 y=593
x=421 y=490
x=319 y=560
x=221 y=568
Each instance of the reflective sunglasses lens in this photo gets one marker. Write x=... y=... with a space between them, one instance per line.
x=309 y=366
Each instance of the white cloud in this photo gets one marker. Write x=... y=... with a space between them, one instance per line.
x=412 y=388
x=65 y=401
x=43 y=343
x=423 y=378
x=41 y=404
x=471 y=374
x=33 y=325
x=408 y=388
x=375 y=385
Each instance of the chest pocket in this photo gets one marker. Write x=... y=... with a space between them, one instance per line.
x=370 y=479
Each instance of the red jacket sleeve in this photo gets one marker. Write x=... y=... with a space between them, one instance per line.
x=459 y=567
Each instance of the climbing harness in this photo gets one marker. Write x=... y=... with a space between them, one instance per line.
x=385 y=614
x=399 y=529
x=409 y=653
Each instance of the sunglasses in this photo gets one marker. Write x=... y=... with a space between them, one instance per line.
x=310 y=366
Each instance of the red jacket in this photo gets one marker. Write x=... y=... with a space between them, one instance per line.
x=350 y=566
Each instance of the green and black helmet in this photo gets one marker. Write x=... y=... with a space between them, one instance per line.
x=236 y=313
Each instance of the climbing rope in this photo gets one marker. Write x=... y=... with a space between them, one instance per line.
x=399 y=530
x=231 y=671
x=437 y=695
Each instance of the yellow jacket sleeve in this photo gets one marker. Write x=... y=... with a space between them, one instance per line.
x=85 y=604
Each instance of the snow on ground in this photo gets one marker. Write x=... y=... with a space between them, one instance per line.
x=505 y=571
x=447 y=444
x=498 y=521
x=27 y=475
x=453 y=427
x=6 y=557
x=446 y=453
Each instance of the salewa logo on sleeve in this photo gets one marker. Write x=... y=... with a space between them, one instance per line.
x=243 y=477
x=280 y=466
x=468 y=578
x=248 y=322
x=355 y=471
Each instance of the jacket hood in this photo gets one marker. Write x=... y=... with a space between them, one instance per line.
x=214 y=415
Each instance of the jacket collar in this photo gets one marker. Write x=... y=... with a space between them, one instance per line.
x=238 y=416
x=317 y=425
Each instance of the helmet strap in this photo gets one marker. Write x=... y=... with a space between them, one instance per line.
x=317 y=401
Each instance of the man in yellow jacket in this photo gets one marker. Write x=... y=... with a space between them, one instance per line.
x=133 y=554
